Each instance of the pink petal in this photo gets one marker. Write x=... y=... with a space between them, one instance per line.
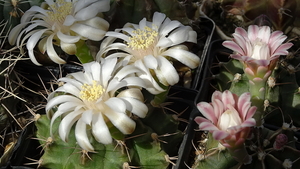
x=276 y=35
x=261 y=62
x=252 y=32
x=208 y=126
x=264 y=34
x=200 y=120
x=251 y=112
x=249 y=123
x=249 y=71
x=257 y=80
x=219 y=134
x=208 y=111
x=233 y=46
x=218 y=107
x=245 y=109
x=276 y=43
x=238 y=39
x=243 y=99
x=282 y=50
x=241 y=32
x=217 y=95
x=227 y=98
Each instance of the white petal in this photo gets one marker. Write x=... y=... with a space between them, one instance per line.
x=67 y=38
x=189 y=59
x=166 y=73
x=150 y=62
x=63 y=108
x=32 y=41
x=166 y=29
x=125 y=71
x=88 y=32
x=79 y=76
x=69 y=20
x=100 y=129
x=81 y=136
x=52 y=53
x=132 y=93
x=125 y=124
x=112 y=102
x=158 y=18
x=71 y=81
x=135 y=106
x=82 y=4
x=69 y=88
x=87 y=116
x=69 y=48
x=32 y=58
x=61 y=99
x=14 y=33
x=164 y=42
x=98 y=23
x=179 y=35
x=107 y=68
x=117 y=35
x=67 y=123
x=151 y=85
x=96 y=71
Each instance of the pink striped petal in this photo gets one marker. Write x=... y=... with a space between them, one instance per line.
x=249 y=123
x=208 y=111
x=282 y=50
x=208 y=126
x=218 y=107
x=253 y=32
x=233 y=46
x=200 y=120
x=219 y=134
x=242 y=101
x=227 y=98
x=241 y=32
x=264 y=34
x=251 y=112
x=217 y=95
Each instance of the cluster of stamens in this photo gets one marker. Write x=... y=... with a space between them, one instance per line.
x=59 y=11
x=142 y=38
x=91 y=92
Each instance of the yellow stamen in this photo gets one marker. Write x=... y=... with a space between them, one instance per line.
x=142 y=38
x=91 y=92
x=60 y=10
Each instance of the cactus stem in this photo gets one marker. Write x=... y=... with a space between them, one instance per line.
x=240 y=154
x=83 y=52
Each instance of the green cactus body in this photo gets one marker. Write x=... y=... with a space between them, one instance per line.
x=136 y=151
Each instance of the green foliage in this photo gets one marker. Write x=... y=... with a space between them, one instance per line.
x=140 y=149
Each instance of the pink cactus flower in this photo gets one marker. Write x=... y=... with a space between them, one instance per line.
x=228 y=118
x=258 y=48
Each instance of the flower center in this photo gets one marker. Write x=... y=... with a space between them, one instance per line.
x=142 y=39
x=91 y=92
x=59 y=10
x=229 y=119
x=260 y=50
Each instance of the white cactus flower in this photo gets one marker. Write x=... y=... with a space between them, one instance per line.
x=60 y=22
x=104 y=93
x=152 y=46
